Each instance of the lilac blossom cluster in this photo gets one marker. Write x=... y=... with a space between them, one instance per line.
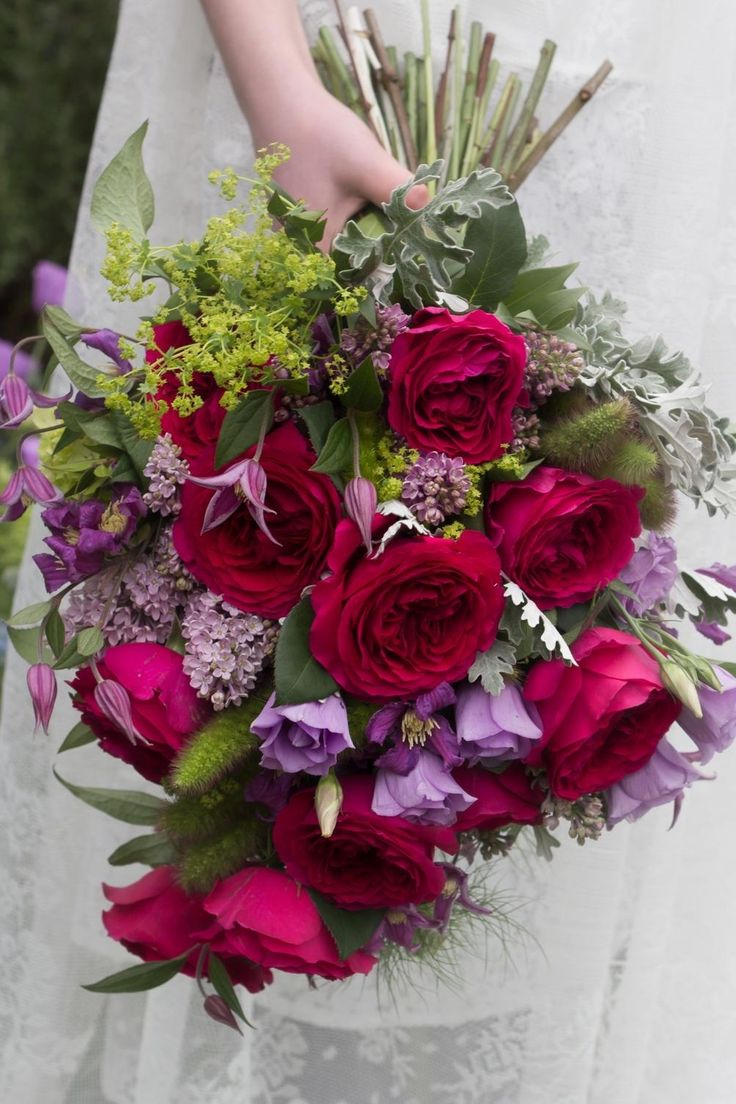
x=435 y=487
x=165 y=471
x=553 y=365
x=365 y=340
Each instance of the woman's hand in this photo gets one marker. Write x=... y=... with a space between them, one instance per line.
x=337 y=165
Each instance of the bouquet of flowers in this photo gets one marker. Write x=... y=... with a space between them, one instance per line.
x=360 y=559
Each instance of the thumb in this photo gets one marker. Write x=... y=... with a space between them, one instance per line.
x=384 y=175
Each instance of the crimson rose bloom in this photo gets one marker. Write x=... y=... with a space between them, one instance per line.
x=237 y=560
x=264 y=916
x=601 y=720
x=155 y=919
x=369 y=861
x=165 y=708
x=455 y=379
x=560 y=535
x=505 y=798
x=413 y=617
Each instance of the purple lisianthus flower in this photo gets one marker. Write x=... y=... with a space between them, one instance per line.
x=307 y=737
x=722 y=573
x=400 y=925
x=716 y=729
x=455 y=892
x=500 y=727
x=49 y=285
x=84 y=534
x=414 y=725
x=427 y=793
x=107 y=342
x=712 y=631
x=650 y=573
x=664 y=778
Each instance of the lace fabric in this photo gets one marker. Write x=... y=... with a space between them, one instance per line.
x=622 y=990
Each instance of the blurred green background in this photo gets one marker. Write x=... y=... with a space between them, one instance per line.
x=53 y=58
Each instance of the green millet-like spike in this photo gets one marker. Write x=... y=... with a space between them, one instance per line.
x=202 y=864
x=216 y=750
x=586 y=442
x=633 y=462
x=194 y=819
x=658 y=508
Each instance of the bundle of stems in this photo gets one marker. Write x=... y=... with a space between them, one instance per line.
x=469 y=115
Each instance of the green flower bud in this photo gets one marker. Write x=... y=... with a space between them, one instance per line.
x=679 y=683
x=328 y=802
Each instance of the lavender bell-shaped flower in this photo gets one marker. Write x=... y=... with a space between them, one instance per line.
x=41 y=681
x=664 y=778
x=27 y=485
x=308 y=737
x=114 y=702
x=245 y=480
x=500 y=727
x=427 y=793
x=716 y=730
x=361 y=500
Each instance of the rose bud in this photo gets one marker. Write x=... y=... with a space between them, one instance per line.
x=42 y=688
x=328 y=802
x=361 y=500
x=113 y=700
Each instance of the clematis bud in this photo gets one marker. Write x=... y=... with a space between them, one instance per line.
x=681 y=686
x=361 y=500
x=217 y=1009
x=17 y=401
x=253 y=482
x=27 y=485
x=41 y=682
x=113 y=700
x=328 y=802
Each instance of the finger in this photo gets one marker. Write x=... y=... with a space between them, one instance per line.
x=384 y=175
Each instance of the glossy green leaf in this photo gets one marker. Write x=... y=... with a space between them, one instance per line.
x=350 y=930
x=90 y=641
x=137 y=979
x=362 y=390
x=130 y=806
x=55 y=632
x=297 y=674
x=318 y=419
x=337 y=453
x=152 y=850
x=84 y=376
x=242 y=426
x=498 y=242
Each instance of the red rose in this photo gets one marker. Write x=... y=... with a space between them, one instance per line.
x=504 y=798
x=560 y=535
x=455 y=379
x=165 y=708
x=415 y=616
x=237 y=560
x=264 y=916
x=155 y=919
x=369 y=861
x=601 y=720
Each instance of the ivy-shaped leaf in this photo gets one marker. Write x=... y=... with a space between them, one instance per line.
x=123 y=192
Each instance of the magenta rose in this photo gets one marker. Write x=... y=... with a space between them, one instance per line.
x=165 y=709
x=237 y=559
x=402 y=622
x=560 y=535
x=369 y=861
x=601 y=720
x=155 y=919
x=455 y=380
x=262 y=915
x=504 y=798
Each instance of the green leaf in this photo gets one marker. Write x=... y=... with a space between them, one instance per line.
x=498 y=242
x=101 y=429
x=138 y=451
x=64 y=323
x=136 y=979
x=84 y=376
x=363 y=391
x=123 y=193
x=79 y=736
x=297 y=385
x=70 y=656
x=218 y=975
x=337 y=452
x=533 y=285
x=90 y=641
x=297 y=674
x=350 y=930
x=558 y=308
x=130 y=806
x=152 y=850
x=242 y=426
x=318 y=419
x=28 y=644
x=30 y=615
x=55 y=632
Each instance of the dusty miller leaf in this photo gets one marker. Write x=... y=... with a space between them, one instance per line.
x=533 y=616
x=491 y=666
x=406 y=520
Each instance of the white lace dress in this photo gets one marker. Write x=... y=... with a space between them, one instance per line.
x=624 y=991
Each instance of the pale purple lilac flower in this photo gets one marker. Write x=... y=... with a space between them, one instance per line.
x=307 y=737
x=225 y=649
x=364 y=340
x=527 y=427
x=715 y=731
x=166 y=472
x=49 y=285
x=552 y=365
x=107 y=342
x=427 y=793
x=650 y=573
x=27 y=485
x=85 y=534
x=455 y=892
x=498 y=728
x=435 y=487
x=664 y=778
x=41 y=680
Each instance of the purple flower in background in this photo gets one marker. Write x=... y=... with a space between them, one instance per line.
x=307 y=737
x=24 y=365
x=414 y=725
x=83 y=534
x=500 y=728
x=400 y=925
x=17 y=401
x=716 y=729
x=664 y=778
x=269 y=788
x=722 y=573
x=712 y=631
x=650 y=573
x=455 y=892
x=30 y=449
x=107 y=342
x=49 y=285
x=27 y=485
x=426 y=793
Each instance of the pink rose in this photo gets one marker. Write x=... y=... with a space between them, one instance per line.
x=155 y=919
x=165 y=709
x=560 y=535
x=601 y=720
x=504 y=798
x=455 y=380
x=263 y=916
